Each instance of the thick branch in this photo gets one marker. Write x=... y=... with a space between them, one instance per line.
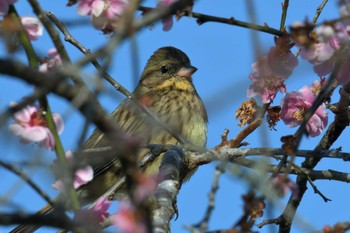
x=168 y=188
x=51 y=219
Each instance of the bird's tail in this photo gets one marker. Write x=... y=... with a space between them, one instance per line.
x=24 y=228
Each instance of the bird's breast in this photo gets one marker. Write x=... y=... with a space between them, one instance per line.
x=184 y=112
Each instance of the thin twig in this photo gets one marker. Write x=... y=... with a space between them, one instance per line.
x=31 y=183
x=203 y=18
x=316 y=190
x=285 y=6
x=269 y=221
x=318 y=11
x=220 y=169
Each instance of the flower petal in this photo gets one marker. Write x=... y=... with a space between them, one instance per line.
x=34 y=134
x=83 y=176
x=58 y=122
x=49 y=142
x=33 y=27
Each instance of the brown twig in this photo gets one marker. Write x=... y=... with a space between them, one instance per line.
x=318 y=11
x=31 y=183
x=220 y=169
x=269 y=221
x=203 y=18
x=285 y=6
x=316 y=190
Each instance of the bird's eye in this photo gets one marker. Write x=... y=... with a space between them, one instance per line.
x=164 y=69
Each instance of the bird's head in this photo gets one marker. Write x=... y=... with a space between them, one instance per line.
x=168 y=67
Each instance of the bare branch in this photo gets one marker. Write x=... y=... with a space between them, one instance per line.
x=29 y=181
x=168 y=188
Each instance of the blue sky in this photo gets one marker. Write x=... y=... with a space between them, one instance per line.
x=223 y=55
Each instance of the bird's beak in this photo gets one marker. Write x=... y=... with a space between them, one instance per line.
x=186 y=71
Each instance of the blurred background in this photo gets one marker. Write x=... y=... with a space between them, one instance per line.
x=223 y=55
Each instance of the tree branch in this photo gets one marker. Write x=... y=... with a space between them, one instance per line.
x=168 y=188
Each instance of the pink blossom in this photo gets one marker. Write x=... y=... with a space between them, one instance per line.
x=325 y=33
x=106 y=20
x=4 y=6
x=86 y=7
x=104 y=14
x=322 y=55
x=51 y=63
x=114 y=8
x=270 y=72
x=280 y=58
x=317 y=122
x=95 y=215
x=126 y=219
x=317 y=53
x=168 y=20
x=342 y=32
x=265 y=83
x=82 y=176
x=101 y=207
x=324 y=50
x=31 y=126
x=33 y=27
x=324 y=68
x=99 y=211
x=293 y=108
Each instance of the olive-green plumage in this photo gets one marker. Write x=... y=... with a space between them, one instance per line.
x=166 y=89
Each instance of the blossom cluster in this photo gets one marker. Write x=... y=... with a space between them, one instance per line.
x=328 y=44
x=30 y=125
x=270 y=72
x=296 y=103
x=51 y=62
x=104 y=13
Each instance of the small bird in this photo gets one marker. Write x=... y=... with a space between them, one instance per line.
x=167 y=90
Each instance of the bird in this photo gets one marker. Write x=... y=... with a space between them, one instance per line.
x=166 y=89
